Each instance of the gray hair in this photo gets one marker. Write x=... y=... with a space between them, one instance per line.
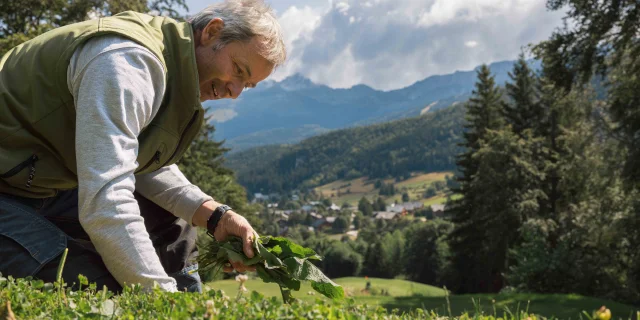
x=244 y=19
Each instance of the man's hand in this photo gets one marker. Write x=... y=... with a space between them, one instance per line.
x=234 y=224
x=231 y=224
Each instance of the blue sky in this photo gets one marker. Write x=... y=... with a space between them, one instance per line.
x=390 y=44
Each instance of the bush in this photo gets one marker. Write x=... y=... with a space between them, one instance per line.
x=430 y=192
x=427 y=252
x=341 y=261
x=341 y=225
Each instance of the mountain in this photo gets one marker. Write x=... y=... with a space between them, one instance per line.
x=296 y=108
x=425 y=143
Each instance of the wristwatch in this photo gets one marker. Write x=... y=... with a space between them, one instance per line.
x=215 y=217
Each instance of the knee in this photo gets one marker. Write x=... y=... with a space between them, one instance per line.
x=188 y=279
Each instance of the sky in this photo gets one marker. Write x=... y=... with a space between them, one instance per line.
x=391 y=44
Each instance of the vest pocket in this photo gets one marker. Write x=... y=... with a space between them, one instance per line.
x=31 y=163
x=155 y=158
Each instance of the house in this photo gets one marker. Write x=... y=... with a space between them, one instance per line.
x=259 y=197
x=438 y=210
x=333 y=207
x=295 y=197
x=397 y=208
x=272 y=205
x=386 y=215
x=324 y=223
x=281 y=215
x=315 y=215
x=413 y=206
x=307 y=208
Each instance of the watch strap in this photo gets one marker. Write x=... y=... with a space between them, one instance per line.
x=215 y=217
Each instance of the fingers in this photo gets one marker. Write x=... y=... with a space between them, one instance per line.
x=247 y=238
x=238 y=266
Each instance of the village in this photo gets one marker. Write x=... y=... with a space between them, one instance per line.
x=327 y=217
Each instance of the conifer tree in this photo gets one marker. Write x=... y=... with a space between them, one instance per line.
x=468 y=248
x=523 y=110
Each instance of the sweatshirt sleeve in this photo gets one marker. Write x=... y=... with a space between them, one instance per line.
x=170 y=189
x=117 y=87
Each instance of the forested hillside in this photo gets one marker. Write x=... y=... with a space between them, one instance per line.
x=425 y=143
x=296 y=108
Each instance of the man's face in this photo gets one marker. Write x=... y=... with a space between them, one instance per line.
x=225 y=72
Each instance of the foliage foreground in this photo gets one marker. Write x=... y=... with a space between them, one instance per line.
x=277 y=260
x=34 y=299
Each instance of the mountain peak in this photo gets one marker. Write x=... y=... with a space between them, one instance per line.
x=296 y=82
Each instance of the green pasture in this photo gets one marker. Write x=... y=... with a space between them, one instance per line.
x=406 y=296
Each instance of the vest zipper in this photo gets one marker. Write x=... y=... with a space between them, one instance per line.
x=31 y=161
x=195 y=115
x=156 y=159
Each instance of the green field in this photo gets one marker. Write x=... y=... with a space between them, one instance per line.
x=407 y=295
x=351 y=285
x=33 y=299
x=351 y=191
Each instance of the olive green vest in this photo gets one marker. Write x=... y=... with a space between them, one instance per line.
x=37 y=113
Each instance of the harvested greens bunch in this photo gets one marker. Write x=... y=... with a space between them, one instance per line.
x=276 y=259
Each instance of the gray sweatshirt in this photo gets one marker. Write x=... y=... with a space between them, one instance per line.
x=118 y=86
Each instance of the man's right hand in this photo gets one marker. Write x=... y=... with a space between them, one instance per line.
x=233 y=224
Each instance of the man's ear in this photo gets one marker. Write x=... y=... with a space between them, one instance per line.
x=211 y=32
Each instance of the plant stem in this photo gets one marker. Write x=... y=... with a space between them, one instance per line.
x=446 y=294
x=286 y=295
x=59 y=273
x=61 y=265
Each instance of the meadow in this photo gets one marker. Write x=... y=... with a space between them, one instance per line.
x=33 y=299
x=407 y=296
x=351 y=191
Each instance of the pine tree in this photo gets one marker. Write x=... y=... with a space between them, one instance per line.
x=523 y=110
x=468 y=248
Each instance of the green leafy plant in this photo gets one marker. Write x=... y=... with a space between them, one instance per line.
x=277 y=260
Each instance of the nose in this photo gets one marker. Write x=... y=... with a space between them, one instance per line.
x=234 y=89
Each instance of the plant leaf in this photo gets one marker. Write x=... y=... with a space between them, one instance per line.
x=303 y=269
x=291 y=249
x=270 y=260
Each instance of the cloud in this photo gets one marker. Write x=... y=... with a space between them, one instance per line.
x=388 y=44
x=342 y=7
x=297 y=25
x=223 y=115
x=471 y=44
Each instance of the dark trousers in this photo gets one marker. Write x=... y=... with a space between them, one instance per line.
x=35 y=232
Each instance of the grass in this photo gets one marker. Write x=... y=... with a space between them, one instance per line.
x=362 y=187
x=422 y=181
x=352 y=286
x=563 y=306
x=406 y=296
x=33 y=299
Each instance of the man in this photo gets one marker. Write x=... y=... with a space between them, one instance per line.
x=93 y=118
